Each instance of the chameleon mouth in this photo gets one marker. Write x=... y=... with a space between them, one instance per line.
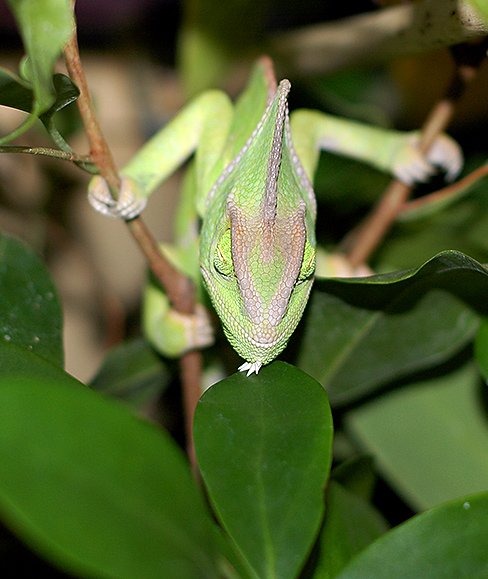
x=263 y=345
x=263 y=342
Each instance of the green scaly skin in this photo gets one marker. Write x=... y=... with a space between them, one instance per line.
x=257 y=243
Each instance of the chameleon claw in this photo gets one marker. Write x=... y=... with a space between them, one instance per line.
x=127 y=206
x=447 y=154
x=250 y=367
x=412 y=167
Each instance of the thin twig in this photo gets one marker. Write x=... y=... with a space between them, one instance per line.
x=442 y=196
x=99 y=151
x=363 y=241
x=178 y=287
x=46 y=152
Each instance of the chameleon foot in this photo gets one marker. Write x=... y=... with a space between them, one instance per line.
x=186 y=332
x=127 y=206
x=250 y=367
x=412 y=167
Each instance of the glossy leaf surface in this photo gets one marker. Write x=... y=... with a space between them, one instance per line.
x=30 y=310
x=449 y=541
x=362 y=333
x=96 y=490
x=263 y=444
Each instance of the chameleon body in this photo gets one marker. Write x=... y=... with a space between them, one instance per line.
x=252 y=189
x=257 y=244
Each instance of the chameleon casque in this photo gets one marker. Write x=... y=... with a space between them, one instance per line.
x=250 y=185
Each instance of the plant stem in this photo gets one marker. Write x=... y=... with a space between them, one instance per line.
x=178 y=287
x=99 y=151
x=365 y=239
x=451 y=191
x=46 y=152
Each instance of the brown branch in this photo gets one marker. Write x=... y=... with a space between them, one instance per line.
x=379 y=36
x=178 y=287
x=365 y=239
x=442 y=195
x=46 y=152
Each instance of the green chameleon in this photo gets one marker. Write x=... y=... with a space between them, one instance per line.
x=250 y=185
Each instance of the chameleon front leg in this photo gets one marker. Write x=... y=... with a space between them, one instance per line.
x=394 y=152
x=391 y=151
x=210 y=114
x=201 y=127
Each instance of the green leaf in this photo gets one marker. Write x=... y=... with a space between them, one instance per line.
x=448 y=541
x=15 y=92
x=357 y=476
x=350 y=524
x=481 y=348
x=30 y=310
x=132 y=372
x=96 y=490
x=263 y=444
x=15 y=359
x=430 y=440
x=45 y=27
x=18 y=94
x=363 y=333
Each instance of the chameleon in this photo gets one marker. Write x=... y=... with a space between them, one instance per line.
x=250 y=187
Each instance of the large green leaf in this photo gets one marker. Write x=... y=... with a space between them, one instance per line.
x=448 y=541
x=45 y=27
x=30 y=310
x=96 y=490
x=351 y=523
x=430 y=440
x=362 y=333
x=15 y=359
x=263 y=444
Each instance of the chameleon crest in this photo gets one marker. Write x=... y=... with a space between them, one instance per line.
x=257 y=248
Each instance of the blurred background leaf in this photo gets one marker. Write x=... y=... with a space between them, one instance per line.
x=133 y=372
x=429 y=438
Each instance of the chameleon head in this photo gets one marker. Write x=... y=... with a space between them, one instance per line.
x=261 y=251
